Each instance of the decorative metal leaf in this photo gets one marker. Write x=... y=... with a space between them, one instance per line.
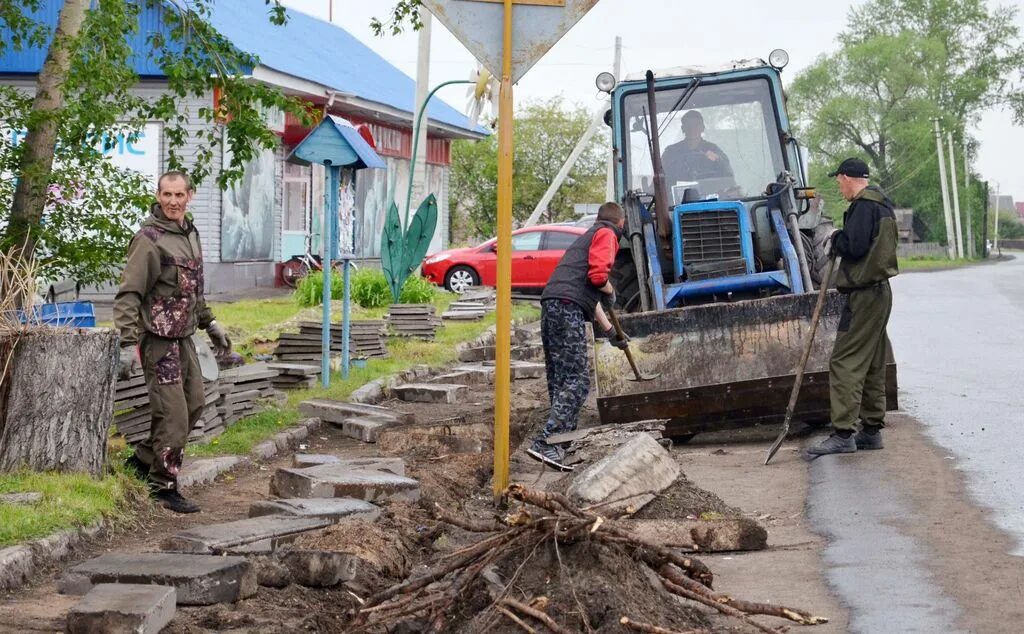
x=390 y=251
x=418 y=235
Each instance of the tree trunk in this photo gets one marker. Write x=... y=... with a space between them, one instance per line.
x=41 y=139
x=57 y=399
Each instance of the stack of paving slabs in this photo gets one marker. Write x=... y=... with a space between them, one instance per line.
x=211 y=424
x=294 y=376
x=133 y=416
x=413 y=320
x=466 y=311
x=305 y=346
x=366 y=339
x=242 y=387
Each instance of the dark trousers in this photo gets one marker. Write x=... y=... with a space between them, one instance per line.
x=857 y=367
x=563 y=330
x=176 y=400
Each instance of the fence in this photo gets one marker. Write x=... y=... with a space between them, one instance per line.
x=920 y=249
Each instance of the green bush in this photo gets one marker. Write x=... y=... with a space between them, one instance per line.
x=417 y=290
x=310 y=289
x=370 y=289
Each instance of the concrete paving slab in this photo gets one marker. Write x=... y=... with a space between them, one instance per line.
x=334 y=509
x=266 y=532
x=449 y=393
x=344 y=480
x=123 y=608
x=366 y=428
x=633 y=473
x=198 y=579
x=337 y=411
x=314 y=482
x=305 y=460
x=205 y=470
x=527 y=370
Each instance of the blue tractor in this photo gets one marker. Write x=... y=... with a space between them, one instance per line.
x=722 y=254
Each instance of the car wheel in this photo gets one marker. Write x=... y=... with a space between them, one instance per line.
x=460 y=279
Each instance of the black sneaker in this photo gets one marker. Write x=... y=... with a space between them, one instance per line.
x=137 y=467
x=551 y=455
x=868 y=441
x=171 y=500
x=834 y=444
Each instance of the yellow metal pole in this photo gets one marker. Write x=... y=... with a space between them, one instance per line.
x=503 y=343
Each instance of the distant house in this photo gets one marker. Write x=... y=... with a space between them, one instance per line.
x=1020 y=211
x=1003 y=203
x=268 y=216
x=910 y=228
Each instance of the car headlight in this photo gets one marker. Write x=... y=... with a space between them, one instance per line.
x=434 y=259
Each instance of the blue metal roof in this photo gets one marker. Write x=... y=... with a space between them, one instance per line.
x=306 y=47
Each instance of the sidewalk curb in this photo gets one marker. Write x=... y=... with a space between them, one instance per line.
x=287 y=440
x=18 y=564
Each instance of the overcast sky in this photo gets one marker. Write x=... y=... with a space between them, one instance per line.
x=663 y=33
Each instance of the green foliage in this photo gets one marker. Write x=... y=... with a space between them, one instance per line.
x=82 y=227
x=902 y=62
x=403 y=11
x=370 y=289
x=546 y=132
x=310 y=289
x=240 y=438
x=417 y=290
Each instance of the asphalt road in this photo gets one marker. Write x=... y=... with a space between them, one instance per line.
x=895 y=518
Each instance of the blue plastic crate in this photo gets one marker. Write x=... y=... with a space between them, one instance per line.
x=76 y=314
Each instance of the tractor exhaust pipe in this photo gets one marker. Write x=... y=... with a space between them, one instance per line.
x=661 y=202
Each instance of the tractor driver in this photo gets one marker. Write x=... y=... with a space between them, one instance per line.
x=694 y=158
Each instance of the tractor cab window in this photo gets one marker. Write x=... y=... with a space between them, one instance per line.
x=723 y=140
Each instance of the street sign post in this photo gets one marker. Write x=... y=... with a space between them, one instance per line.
x=508 y=40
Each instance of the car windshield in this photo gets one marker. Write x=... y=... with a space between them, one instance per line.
x=723 y=141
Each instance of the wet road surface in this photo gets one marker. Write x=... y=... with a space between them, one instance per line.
x=958 y=337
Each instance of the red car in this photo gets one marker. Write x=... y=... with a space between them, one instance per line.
x=535 y=254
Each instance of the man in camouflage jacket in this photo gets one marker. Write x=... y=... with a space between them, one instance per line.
x=158 y=307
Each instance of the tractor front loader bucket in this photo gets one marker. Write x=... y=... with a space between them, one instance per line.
x=723 y=366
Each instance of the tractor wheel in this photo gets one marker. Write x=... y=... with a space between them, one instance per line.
x=627 y=286
x=814 y=246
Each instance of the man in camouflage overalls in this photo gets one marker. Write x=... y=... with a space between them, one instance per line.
x=157 y=309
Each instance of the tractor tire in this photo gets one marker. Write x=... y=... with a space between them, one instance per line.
x=814 y=246
x=627 y=286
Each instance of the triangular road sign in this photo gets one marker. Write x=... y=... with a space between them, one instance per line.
x=536 y=26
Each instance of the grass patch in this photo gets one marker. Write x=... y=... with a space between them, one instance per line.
x=241 y=437
x=932 y=263
x=69 y=501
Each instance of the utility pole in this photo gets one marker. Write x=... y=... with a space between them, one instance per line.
x=967 y=205
x=995 y=231
x=984 y=226
x=419 y=174
x=950 y=239
x=956 y=197
x=617 y=71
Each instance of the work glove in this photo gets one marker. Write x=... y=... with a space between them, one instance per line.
x=128 y=364
x=613 y=338
x=829 y=247
x=218 y=337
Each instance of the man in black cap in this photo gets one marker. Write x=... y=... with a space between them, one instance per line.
x=867 y=246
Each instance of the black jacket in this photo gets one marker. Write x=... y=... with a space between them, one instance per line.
x=570 y=280
x=867 y=241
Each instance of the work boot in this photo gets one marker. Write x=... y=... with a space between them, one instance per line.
x=137 y=467
x=834 y=444
x=171 y=500
x=869 y=438
x=551 y=455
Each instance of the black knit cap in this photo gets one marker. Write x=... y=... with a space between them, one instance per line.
x=853 y=167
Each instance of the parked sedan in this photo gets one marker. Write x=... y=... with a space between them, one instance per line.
x=535 y=254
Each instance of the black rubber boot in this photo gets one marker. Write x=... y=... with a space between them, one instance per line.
x=137 y=467
x=171 y=500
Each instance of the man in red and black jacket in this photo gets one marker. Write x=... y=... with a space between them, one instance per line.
x=572 y=297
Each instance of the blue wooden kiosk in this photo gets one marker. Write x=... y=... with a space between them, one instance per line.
x=336 y=144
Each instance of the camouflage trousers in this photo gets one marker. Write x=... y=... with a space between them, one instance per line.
x=176 y=401
x=563 y=329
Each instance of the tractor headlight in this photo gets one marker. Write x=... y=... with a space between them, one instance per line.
x=778 y=59
x=605 y=82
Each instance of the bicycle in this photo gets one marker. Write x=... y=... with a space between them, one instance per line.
x=299 y=266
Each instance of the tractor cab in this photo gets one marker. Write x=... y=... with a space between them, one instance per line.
x=739 y=221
